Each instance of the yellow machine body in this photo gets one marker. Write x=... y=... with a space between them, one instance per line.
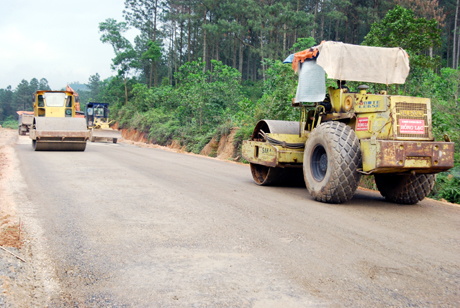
x=97 y=120
x=395 y=134
x=55 y=126
x=342 y=134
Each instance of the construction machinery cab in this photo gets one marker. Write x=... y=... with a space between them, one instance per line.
x=97 y=120
x=96 y=112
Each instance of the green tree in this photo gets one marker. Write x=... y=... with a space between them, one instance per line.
x=33 y=85
x=23 y=96
x=6 y=102
x=94 y=84
x=125 y=55
x=303 y=43
x=418 y=36
x=43 y=85
x=207 y=98
x=143 y=15
x=153 y=54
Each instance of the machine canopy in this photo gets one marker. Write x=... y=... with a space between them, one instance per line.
x=364 y=63
x=346 y=62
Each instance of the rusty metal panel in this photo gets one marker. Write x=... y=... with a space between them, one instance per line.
x=261 y=153
x=368 y=154
x=404 y=156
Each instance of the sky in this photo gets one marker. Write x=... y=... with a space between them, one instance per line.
x=56 y=39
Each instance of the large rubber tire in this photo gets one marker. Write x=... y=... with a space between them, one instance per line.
x=405 y=189
x=332 y=157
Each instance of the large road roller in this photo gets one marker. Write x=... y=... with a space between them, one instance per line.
x=55 y=127
x=97 y=120
x=343 y=134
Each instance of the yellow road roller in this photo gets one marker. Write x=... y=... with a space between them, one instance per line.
x=55 y=127
x=342 y=134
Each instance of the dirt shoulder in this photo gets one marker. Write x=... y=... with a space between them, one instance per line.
x=11 y=235
x=9 y=222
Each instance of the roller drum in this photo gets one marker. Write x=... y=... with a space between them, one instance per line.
x=59 y=134
x=275 y=127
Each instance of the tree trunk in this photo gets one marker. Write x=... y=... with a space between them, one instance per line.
x=262 y=51
x=337 y=30
x=458 y=51
x=314 y=19
x=151 y=74
x=174 y=51
x=195 y=44
x=346 y=31
x=217 y=49
x=295 y=31
x=126 y=91
x=181 y=42
x=321 y=35
x=454 y=53
x=284 y=38
x=189 y=32
x=234 y=50
x=171 y=59
x=448 y=46
x=155 y=65
x=240 y=58
x=254 y=69
x=248 y=64
x=204 y=41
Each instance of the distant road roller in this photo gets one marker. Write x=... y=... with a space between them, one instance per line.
x=55 y=127
x=97 y=120
x=343 y=134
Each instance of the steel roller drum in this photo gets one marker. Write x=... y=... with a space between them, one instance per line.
x=59 y=134
x=275 y=127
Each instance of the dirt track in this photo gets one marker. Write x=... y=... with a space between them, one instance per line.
x=126 y=226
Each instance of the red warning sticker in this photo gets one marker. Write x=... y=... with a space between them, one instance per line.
x=411 y=126
x=362 y=124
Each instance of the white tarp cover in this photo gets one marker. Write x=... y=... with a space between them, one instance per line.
x=363 y=63
x=311 y=87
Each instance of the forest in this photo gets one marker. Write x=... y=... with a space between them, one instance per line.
x=200 y=68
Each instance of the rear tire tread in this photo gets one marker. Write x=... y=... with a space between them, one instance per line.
x=405 y=189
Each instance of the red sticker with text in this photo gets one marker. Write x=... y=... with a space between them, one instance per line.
x=362 y=124
x=411 y=126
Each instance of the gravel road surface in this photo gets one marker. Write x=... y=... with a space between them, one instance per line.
x=124 y=226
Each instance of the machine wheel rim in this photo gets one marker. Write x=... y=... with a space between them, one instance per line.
x=318 y=163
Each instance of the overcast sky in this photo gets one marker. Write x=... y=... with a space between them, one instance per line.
x=55 y=39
